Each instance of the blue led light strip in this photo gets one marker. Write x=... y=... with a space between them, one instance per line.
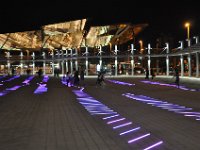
x=112 y=118
x=120 y=82
x=42 y=86
x=24 y=83
x=170 y=85
x=165 y=105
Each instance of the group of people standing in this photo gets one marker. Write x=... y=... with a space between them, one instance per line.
x=74 y=78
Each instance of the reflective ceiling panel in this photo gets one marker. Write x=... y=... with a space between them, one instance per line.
x=69 y=35
x=21 y=40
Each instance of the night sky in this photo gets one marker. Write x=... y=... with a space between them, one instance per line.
x=164 y=17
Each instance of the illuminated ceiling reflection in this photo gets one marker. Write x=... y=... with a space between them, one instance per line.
x=69 y=35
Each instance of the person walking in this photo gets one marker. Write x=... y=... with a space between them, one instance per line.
x=82 y=77
x=76 y=78
x=152 y=74
x=176 y=74
x=147 y=73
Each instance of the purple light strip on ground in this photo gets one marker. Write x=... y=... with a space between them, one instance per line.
x=41 y=89
x=81 y=94
x=103 y=113
x=197 y=113
x=15 y=77
x=45 y=79
x=7 y=90
x=4 y=93
x=138 y=138
x=98 y=109
x=179 y=109
x=171 y=85
x=170 y=107
x=120 y=82
x=156 y=102
x=114 y=121
x=13 y=88
x=192 y=116
x=89 y=99
x=28 y=80
x=122 y=125
x=42 y=86
x=84 y=103
x=154 y=145
x=101 y=108
x=110 y=117
x=94 y=108
x=129 y=131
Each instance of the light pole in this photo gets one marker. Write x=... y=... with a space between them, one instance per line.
x=141 y=46
x=187 y=25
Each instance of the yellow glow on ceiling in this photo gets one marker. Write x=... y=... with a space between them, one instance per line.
x=71 y=26
x=70 y=35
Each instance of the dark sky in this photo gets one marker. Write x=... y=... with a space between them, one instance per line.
x=164 y=17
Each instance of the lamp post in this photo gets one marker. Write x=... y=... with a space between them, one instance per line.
x=21 y=62
x=141 y=46
x=8 y=61
x=33 y=58
x=44 y=62
x=149 y=58
x=187 y=25
x=132 y=59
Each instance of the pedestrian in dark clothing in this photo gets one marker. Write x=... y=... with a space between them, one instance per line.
x=76 y=78
x=152 y=73
x=13 y=71
x=100 y=79
x=176 y=74
x=40 y=72
x=82 y=74
x=147 y=73
x=28 y=71
x=56 y=72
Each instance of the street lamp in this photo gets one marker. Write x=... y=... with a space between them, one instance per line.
x=187 y=25
x=141 y=46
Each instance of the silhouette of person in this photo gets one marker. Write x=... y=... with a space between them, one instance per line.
x=28 y=71
x=82 y=74
x=147 y=73
x=76 y=78
x=100 y=79
x=40 y=72
x=13 y=71
x=152 y=73
x=176 y=74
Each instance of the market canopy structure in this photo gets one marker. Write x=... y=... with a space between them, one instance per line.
x=70 y=35
x=21 y=40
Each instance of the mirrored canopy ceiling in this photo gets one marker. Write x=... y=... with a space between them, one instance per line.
x=21 y=40
x=70 y=35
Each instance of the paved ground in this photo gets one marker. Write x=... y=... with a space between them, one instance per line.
x=55 y=120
